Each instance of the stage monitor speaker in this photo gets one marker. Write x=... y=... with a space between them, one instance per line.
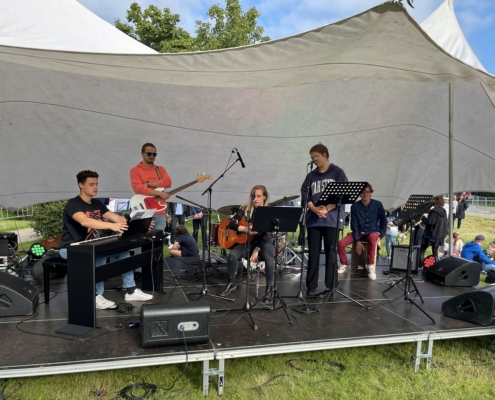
x=477 y=307
x=17 y=297
x=163 y=325
x=454 y=271
x=400 y=255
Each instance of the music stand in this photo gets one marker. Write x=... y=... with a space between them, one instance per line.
x=414 y=208
x=276 y=219
x=339 y=193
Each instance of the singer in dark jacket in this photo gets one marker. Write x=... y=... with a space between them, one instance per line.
x=436 y=228
x=261 y=244
x=323 y=222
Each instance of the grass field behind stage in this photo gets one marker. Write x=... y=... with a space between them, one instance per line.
x=460 y=369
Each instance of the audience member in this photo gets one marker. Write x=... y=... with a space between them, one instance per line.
x=460 y=213
x=184 y=245
x=473 y=251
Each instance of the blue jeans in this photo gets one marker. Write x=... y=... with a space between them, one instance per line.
x=127 y=277
x=389 y=240
x=487 y=267
x=160 y=221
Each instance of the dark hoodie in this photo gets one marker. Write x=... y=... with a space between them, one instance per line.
x=436 y=225
x=319 y=181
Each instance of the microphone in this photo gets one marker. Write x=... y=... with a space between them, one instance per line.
x=313 y=160
x=240 y=158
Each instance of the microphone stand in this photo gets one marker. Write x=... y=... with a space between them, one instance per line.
x=204 y=290
x=302 y=304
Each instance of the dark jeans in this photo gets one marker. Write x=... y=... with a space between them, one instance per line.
x=266 y=254
x=196 y=228
x=176 y=220
x=315 y=236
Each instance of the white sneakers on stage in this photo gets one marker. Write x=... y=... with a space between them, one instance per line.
x=102 y=303
x=342 y=269
x=138 y=295
x=371 y=272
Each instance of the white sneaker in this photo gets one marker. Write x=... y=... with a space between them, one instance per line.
x=371 y=272
x=342 y=269
x=102 y=303
x=138 y=295
x=360 y=267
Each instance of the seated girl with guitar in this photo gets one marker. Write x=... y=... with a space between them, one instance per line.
x=261 y=245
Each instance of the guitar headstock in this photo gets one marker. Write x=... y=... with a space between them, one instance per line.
x=203 y=177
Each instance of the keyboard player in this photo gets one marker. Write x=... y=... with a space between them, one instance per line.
x=83 y=218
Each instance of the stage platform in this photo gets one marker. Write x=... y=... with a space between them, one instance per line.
x=30 y=346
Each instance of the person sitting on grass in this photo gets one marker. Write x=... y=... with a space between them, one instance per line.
x=457 y=243
x=473 y=251
x=184 y=245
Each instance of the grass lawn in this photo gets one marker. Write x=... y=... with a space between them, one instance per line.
x=460 y=369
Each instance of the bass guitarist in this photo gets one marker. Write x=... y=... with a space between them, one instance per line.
x=261 y=244
x=146 y=177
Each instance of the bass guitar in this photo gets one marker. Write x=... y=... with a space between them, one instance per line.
x=142 y=202
x=227 y=238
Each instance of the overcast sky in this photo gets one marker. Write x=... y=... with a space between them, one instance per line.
x=282 y=18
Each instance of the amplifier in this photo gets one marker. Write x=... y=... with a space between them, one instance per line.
x=400 y=256
x=163 y=324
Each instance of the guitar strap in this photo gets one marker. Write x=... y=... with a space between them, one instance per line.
x=158 y=173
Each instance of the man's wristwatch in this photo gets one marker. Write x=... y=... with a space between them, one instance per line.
x=256 y=249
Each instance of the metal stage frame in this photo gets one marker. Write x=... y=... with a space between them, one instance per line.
x=338 y=325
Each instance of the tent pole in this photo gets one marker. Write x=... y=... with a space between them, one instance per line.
x=451 y=169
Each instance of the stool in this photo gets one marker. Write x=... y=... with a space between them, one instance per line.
x=53 y=263
x=357 y=260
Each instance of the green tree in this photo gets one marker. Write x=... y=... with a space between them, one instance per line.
x=232 y=27
x=156 y=29
x=229 y=27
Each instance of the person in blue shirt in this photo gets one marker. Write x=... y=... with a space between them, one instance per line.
x=368 y=223
x=474 y=252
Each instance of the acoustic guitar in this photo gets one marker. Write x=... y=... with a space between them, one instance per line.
x=142 y=202
x=227 y=238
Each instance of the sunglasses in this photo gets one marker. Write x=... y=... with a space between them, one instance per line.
x=151 y=154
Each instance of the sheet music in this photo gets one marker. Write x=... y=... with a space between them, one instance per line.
x=140 y=214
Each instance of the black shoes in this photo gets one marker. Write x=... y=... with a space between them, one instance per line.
x=268 y=297
x=311 y=293
x=231 y=286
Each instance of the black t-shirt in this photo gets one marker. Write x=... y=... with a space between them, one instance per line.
x=73 y=230
x=188 y=245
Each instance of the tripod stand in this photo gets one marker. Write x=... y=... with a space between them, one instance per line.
x=274 y=219
x=413 y=209
x=204 y=289
x=339 y=193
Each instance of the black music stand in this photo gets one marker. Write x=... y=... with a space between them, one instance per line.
x=339 y=193
x=414 y=208
x=276 y=219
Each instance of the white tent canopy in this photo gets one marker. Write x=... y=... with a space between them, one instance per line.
x=373 y=88
x=443 y=28
x=61 y=25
